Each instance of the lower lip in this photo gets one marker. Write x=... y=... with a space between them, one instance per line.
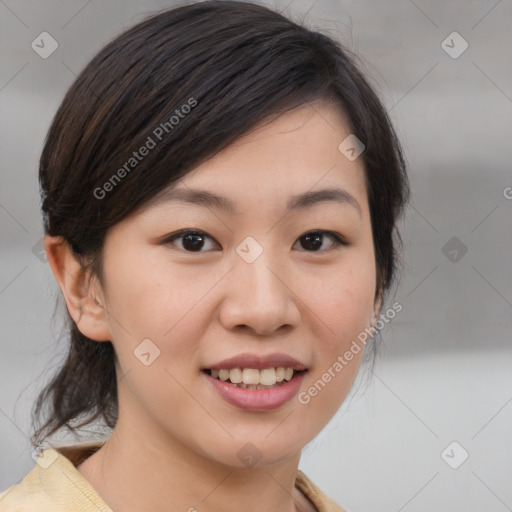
x=257 y=399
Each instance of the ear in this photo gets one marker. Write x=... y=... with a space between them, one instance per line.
x=82 y=293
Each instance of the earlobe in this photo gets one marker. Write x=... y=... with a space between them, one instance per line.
x=83 y=294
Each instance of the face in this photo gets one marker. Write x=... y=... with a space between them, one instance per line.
x=274 y=275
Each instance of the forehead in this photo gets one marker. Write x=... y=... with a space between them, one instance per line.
x=283 y=157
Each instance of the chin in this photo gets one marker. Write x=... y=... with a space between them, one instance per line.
x=255 y=451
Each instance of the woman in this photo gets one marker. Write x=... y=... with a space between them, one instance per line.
x=221 y=188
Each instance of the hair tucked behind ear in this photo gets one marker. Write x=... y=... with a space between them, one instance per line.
x=234 y=64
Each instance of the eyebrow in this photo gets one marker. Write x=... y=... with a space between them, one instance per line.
x=294 y=203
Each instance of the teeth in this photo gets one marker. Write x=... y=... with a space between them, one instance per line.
x=235 y=376
x=268 y=376
x=250 y=377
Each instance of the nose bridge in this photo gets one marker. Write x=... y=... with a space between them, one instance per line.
x=257 y=296
x=260 y=279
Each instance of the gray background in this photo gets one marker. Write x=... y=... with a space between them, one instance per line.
x=444 y=369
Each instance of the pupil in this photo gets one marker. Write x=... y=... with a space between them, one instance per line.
x=315 y=240
x=196 y=242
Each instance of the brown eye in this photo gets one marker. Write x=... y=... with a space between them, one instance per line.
x=191 y=240
x=313 y=241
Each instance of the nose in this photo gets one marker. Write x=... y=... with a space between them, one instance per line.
x=259 y=297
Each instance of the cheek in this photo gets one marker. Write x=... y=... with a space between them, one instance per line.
x=153 y=298
x=169 y=306
x=342 y=299
x=341 y=305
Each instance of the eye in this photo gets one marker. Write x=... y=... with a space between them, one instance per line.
x=191 y=240
x=313 y=240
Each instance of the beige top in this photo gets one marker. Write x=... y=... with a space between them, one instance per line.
x=55 y=485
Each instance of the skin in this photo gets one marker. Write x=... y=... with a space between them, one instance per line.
x=202 y=307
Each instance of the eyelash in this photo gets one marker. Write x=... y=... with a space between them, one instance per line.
x=339 y=240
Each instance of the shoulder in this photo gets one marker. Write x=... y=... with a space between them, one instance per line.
x=320 y=500
x=52 y=485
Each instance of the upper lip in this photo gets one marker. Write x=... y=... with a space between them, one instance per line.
x=258 y=362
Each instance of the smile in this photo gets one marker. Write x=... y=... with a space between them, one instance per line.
x=256 y=397
x=253 y=378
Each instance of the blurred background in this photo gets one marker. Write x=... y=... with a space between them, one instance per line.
x=431 y=428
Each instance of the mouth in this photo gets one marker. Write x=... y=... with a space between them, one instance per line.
x=255 y=378
x=256 y=382
x=256 y=389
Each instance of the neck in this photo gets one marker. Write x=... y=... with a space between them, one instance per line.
x=137 y=471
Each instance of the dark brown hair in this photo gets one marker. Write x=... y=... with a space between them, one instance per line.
x=236 y=63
